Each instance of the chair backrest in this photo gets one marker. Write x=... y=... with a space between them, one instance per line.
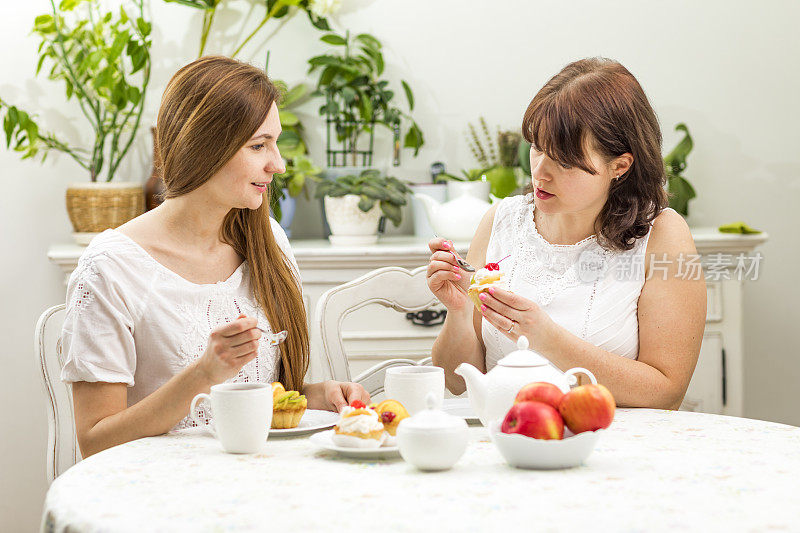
x=401 y=289
x=62 y=443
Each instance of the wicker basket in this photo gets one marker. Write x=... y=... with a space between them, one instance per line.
x=96 y=207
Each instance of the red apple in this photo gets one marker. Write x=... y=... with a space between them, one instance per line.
x=534 y=419
x=587 y=408
x=540 y=391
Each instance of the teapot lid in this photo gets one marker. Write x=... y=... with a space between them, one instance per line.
x=432 y=418
x=522 y=356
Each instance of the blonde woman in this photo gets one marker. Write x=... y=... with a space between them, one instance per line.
x=596 y=262
x=174 y=301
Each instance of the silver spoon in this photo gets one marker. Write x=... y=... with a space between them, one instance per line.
x=274 y=338
x=463 y=264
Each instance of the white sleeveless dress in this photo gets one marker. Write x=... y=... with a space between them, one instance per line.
x=591 y=292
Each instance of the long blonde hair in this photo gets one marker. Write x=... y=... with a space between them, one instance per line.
x=210 y=109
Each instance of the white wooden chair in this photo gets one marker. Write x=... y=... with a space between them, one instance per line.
x=402 y=290
x=62 y=443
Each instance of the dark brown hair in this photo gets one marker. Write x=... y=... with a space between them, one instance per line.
x=597 y=102
x=210 y=108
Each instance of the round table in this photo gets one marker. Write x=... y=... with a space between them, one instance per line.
x=652 y=470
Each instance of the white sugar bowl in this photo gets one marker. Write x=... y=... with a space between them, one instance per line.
x=432 y=439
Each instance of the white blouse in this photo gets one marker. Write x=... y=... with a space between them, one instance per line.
x=590 y=291
x=131 y=320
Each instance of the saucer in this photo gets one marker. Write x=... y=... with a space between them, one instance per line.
x=460 y=407
x=323 y=440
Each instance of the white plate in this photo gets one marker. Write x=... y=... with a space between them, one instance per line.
x=313 y=420
x=323 y=440
x=460 y=407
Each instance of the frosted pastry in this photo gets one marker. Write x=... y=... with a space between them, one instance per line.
x=358 y=427
x=485 y=278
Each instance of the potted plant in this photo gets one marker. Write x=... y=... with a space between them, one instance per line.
x=355 y=203
x=103 y=59
x=357 y=99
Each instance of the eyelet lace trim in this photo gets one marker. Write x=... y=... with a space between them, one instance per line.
x=549 y=268
x=86 y=273
x=219 y=308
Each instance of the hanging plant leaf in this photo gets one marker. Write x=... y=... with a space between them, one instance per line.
x=409 y=95
x=333 y=39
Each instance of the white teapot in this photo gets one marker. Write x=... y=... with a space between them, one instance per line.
x=458 y=218
x=492 y=394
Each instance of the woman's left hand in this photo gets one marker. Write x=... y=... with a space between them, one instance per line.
x=516 y=316
x=337 y=394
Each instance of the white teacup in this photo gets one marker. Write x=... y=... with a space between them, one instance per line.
x=242 y=415
x=410 y=385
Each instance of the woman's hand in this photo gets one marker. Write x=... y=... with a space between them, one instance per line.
x=334 y=395
x=230 y=347
x=446 y=280
x=516 y=316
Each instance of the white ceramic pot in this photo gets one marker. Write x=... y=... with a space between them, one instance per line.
x=432 y=439
x=349 y=224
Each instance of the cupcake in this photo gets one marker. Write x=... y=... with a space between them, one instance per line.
x=391 y=412
x=287 y=407
x=485 y=278
x=359 y=427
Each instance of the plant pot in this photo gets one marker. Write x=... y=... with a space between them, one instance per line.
x=331 y=173
x=349 y=224
x=96 y=207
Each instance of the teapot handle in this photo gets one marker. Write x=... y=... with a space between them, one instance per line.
x=572 y=380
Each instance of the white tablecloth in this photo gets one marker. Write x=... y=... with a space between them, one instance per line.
x=652 y=470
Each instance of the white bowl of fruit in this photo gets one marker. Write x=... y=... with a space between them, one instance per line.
x=547 y=429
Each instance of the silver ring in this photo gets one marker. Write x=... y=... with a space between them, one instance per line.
x=513 y=324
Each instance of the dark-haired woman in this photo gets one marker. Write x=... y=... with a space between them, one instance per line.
x=599 y=270
x=172 y=302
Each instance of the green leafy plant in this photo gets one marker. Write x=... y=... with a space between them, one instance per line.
x=389 y=192
x=273 y=9
x=355 y=95
x=103 y=59
x=679 y=189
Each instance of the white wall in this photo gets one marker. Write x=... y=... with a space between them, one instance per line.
x=726 y=68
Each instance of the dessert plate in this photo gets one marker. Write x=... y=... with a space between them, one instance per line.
x=313 y=420
x=460 y=407
x=323 y=440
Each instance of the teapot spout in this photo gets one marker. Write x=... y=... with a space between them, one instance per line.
x=476 y=387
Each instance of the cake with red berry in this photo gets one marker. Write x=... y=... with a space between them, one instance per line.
x=359 y=427
x=485 y=278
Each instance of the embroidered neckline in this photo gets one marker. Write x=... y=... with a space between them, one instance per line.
x=234 y=277
x=538 y=236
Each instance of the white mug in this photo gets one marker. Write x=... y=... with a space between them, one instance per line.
x=410 y=386
x=242 y=415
